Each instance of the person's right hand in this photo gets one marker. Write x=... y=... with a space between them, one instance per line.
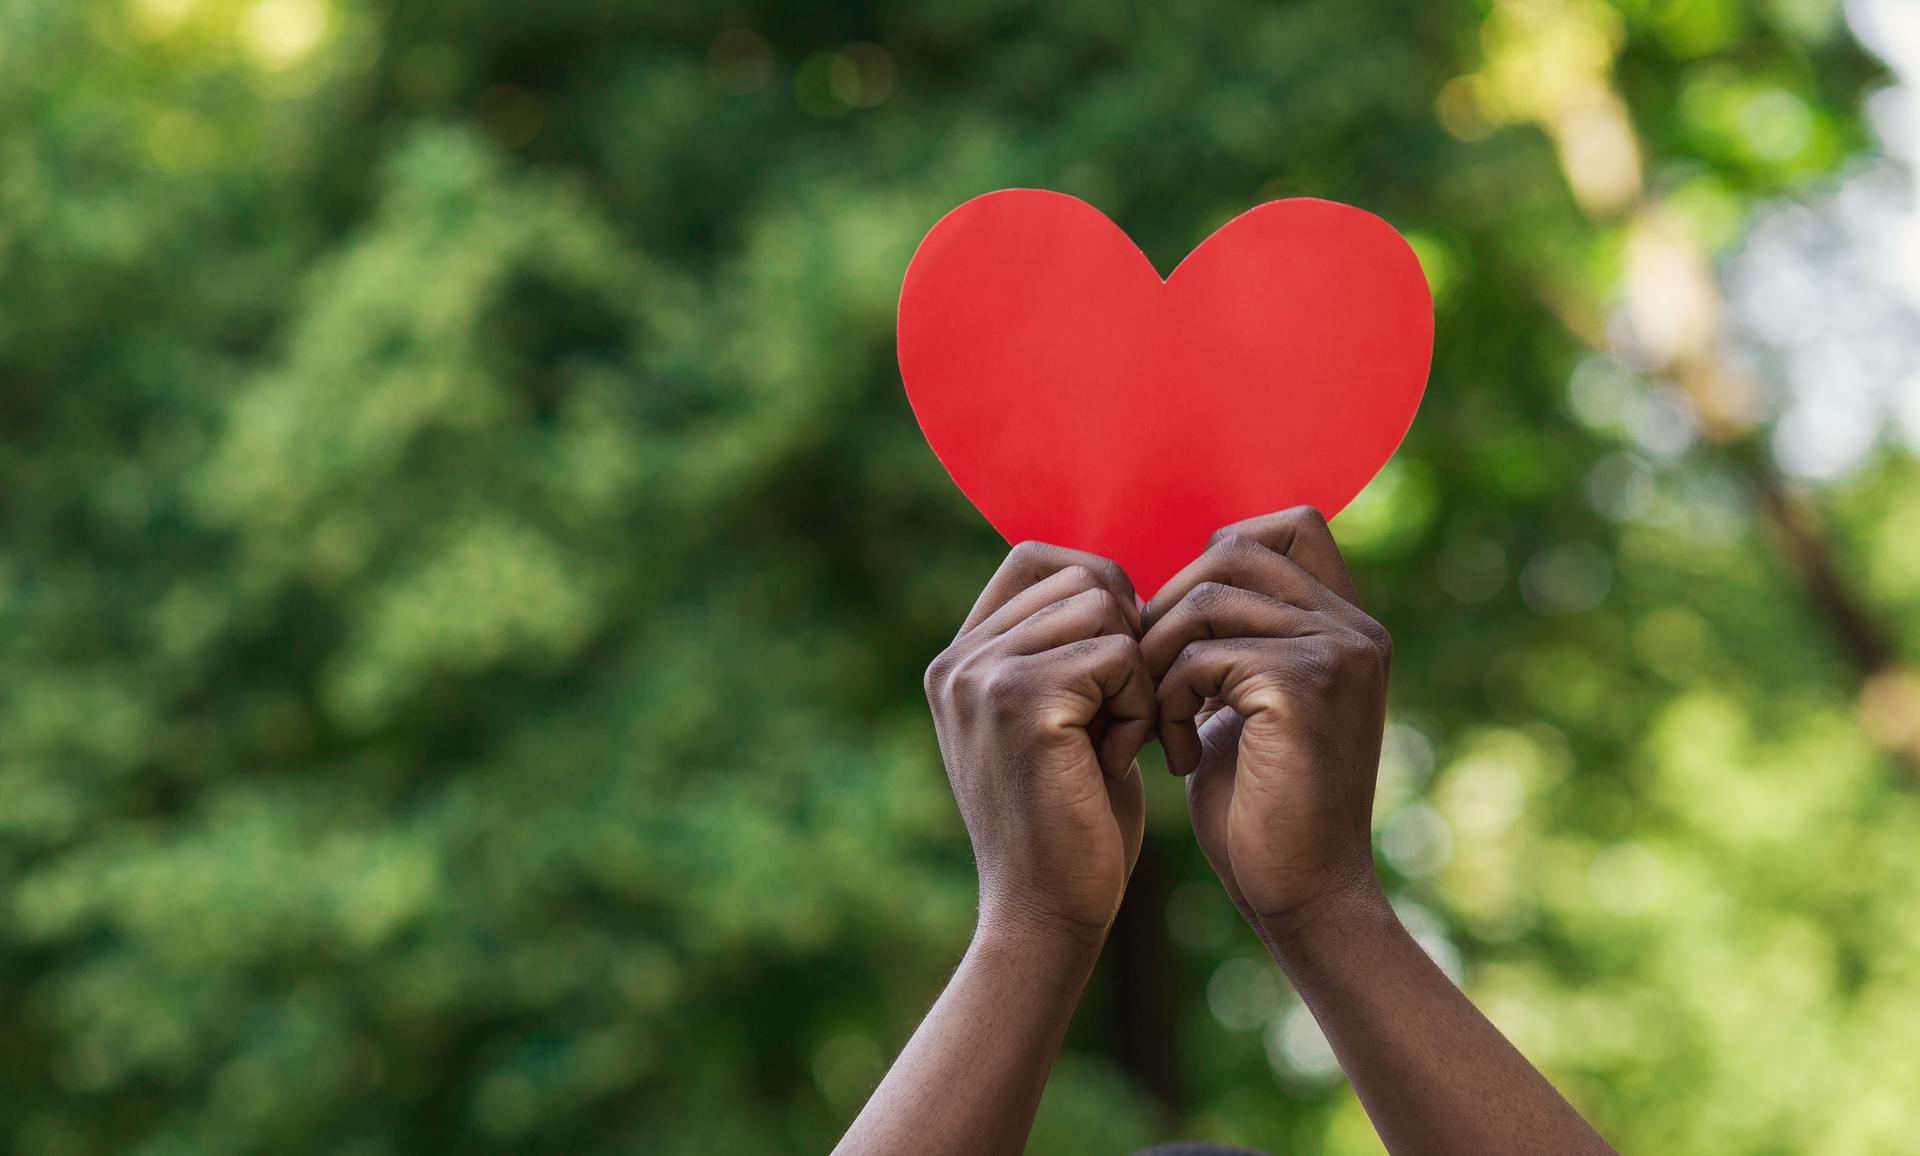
x=1040 y=705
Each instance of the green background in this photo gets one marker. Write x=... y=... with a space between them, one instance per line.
x=466 y=565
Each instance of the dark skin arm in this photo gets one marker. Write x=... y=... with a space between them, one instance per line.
x=1272 y=698
x=1041 y=704
x=1267 y=685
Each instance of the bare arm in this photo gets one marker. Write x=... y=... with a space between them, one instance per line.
x=1272 y=696
x=1434 y=1074
x=971 y=1077
x=1041 y=704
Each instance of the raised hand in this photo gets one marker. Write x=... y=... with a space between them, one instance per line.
x=1272 y=698
x=1040 y=705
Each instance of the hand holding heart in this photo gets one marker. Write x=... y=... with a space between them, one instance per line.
x=1040 y=705
x=1078 y=398
x=1272 y=699
x=1263 y=678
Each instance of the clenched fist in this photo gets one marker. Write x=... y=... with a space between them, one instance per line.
x=1041 y=704
x=1272 y=697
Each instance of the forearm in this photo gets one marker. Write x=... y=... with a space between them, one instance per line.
x=970 y=1079
x=1436 y=1077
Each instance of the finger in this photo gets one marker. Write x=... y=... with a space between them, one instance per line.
x=1249 y=675
x=1028 y=563
x=1301 y=533
x=1237 y=560
x=1180 y=742
x=1127 y=797
x=1111 y=672
x=1061 y=584
x=1209 y=804
x=1088 y=614
x=1301 y=536
x=1124 y=741
x=1219 y=729
x=1213 y=610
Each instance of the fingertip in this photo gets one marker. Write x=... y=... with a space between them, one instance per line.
x=1181 y=743
x=1121 y=745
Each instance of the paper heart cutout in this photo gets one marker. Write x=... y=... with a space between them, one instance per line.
x=1079 y=399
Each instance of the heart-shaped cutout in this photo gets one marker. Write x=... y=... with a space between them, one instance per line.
x=1078 y=398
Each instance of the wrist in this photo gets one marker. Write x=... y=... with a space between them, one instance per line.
x=1032 y=928
x=1345 y=906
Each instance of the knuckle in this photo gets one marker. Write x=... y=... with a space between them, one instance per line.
x=1356 y=649
x=1208 y=596
x=1316 y=666
x=1083 y=648
x=935 y=679
x=1266 y=693
x=1077 y=606
x=1376 y=660
x=989 y=683
x=1308 y=517
x=1349 y=656
x=1379 y=636
x=1098 y=650
x=966 y=678
x=1230 y=541
x=1005 y=689
x=997 y=680
x=1231 y=530
x=1028 y=556
x=1183 y=668
x=1084 y=579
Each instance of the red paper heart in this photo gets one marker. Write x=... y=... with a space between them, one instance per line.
x=1079 y=399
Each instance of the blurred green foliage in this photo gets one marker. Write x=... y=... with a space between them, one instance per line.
x=467 y=564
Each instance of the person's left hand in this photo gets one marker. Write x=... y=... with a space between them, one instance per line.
x=1272 y=697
